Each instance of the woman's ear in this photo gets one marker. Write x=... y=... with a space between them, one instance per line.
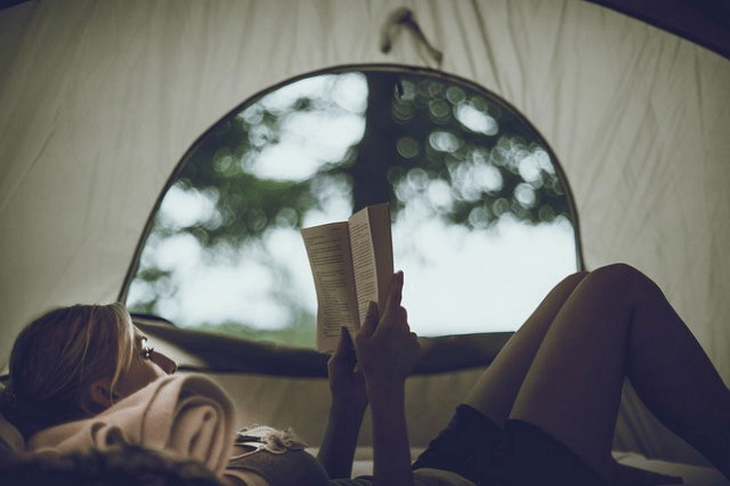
x=99 y=396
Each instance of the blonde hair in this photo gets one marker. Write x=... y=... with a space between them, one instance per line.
x=56 y=358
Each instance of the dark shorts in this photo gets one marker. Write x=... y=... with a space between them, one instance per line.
x=520 y=455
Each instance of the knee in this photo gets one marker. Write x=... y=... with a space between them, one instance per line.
x=622 y=279
x=578 y=276
x=619 y=271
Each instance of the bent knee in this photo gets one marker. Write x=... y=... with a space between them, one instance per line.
x=622 y=279
x=619 y=270
x=579 y=275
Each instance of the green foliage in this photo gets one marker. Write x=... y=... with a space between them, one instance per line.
x=301 y=334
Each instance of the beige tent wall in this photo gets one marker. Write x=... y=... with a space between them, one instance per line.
x=99 y=101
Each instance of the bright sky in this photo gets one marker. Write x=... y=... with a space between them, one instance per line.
x=456 y=281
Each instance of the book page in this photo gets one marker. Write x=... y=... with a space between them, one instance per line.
x=328 y=250
x=380 y=229
x=372 y=255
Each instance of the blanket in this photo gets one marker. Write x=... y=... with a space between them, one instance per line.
x=185 y=417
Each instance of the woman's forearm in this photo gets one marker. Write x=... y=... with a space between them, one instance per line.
x=340 y=439
x=387 y=351
x=391 y=450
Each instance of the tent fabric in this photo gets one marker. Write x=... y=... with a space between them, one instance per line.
x=100 y=100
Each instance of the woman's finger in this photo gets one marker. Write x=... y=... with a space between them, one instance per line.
x=371 y=320
x=403 y=315
x=395 y=294
x=344 y=346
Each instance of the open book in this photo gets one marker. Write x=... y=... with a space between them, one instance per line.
x=352 y=264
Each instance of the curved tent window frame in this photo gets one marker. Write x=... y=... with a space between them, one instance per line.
x=344 y=69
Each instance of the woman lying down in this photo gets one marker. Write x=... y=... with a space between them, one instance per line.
x=83 y=378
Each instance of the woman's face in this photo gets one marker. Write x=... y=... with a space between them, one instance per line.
x=146 y=366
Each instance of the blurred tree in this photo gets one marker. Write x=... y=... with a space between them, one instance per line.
x=377 y=151
x=463 y=154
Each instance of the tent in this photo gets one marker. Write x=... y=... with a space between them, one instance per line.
x=100 y=100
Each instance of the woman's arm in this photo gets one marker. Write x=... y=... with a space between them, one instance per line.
x=349 y=402
x=391 y=450
x=387 y=351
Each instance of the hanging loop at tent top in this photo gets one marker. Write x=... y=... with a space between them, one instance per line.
x=403 y=18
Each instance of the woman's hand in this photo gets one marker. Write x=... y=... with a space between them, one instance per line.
x=387 y=350
x=349 y=402
x=347 y=384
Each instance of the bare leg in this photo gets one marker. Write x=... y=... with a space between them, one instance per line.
x=494 y=394
x=468 y=445
x=617 y=323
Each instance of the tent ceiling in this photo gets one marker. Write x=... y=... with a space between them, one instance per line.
x=706 y=22
x=99 y=101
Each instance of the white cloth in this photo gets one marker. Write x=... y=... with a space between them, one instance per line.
x=187 y=417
